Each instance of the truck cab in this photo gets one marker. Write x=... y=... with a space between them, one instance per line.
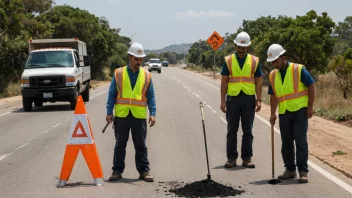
x=55 y=70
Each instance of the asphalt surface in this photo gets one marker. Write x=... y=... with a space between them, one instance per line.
x=32 y=146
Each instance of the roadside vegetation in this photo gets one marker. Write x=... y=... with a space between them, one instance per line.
x=323 y=46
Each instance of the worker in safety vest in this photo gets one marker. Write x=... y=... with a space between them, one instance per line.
x=291 y=88
x=241 y=81
x=131 y=91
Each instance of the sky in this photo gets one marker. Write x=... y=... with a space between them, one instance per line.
x=159 y=23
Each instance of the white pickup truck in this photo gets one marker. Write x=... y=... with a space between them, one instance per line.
x=55 y=70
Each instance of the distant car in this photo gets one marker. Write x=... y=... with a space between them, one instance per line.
x=165 y=63
x=154 y=64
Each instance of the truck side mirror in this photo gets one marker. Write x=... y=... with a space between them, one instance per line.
x=86 y=60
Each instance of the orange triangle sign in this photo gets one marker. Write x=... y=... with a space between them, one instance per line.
x=79 y=126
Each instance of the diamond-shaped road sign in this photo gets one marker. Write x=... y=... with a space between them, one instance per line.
x=215 y=40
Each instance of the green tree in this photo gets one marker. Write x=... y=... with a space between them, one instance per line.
x=101 y=40
x=307 y=40
x=341 y=65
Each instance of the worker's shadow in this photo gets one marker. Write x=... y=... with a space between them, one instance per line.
x=235 y=168
x=125 y=180
x=283 y=182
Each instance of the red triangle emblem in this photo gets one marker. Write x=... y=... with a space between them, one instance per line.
x=79 y=126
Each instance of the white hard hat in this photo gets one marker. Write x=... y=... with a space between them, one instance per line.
x=136 y=50
x=243 y=39
x=274 y=51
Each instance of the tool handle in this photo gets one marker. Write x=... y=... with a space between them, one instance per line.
x=201 y=109
x=205 y=139
x=107 y=124
x=272 y=150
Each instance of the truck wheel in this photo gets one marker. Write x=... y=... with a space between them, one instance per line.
x=27 y=104
x=38 y=103
x=85 y=94
x=74 y=100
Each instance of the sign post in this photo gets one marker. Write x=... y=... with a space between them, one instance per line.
x=215 y=41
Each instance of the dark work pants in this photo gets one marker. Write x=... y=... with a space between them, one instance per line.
x=138 y=129
x=293 y=128
x=240 y=107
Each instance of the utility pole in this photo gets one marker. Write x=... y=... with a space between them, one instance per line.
x=183 y=51
x=131 y=38
x=199 y=51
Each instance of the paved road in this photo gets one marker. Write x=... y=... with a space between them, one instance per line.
x=32 y=146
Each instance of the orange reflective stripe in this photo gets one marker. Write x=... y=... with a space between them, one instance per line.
x=296 y=81
x=146 y=85
x=254 y=62
x=132 y=102
x=295 y=77
x=241 y=79
x=229 y=64
x=234 y=79
x=292 y=96
x=119 y=78
x=273 y=77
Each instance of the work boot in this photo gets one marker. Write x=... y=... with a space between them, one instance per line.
x=115 y=176
x=248 y=163
x=303 y=177
x=230 y=163
x=287 y=175
x=146 y=176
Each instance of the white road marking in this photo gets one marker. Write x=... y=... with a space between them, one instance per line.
x=195 y=95
x=223 y=120
x=21 y=146
x=211 y=108
x=200 y=81
x=99 y=94
x=6 y=113
x=328 y=175
x=45 y=132
x=4 y=156
x=56 y=125
x=331 y=177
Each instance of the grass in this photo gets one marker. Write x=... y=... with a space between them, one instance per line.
x=338 y=152
x=329 y=102
x=12 y=89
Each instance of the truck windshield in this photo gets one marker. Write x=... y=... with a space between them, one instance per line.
x=50 y=59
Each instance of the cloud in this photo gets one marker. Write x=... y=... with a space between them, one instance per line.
x=210 y=14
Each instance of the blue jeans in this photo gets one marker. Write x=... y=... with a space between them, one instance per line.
x=138 y=129
x=293 y=128
x=241 y=107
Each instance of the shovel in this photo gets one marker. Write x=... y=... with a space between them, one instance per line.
x=205 y=140
x=273 y=181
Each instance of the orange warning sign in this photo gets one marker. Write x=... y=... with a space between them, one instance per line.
x=215 y=41
x=81 y=138
x=83 y=132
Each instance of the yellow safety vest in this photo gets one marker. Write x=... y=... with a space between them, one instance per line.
x=291 y=95
x=241 y=79
x=128 y=99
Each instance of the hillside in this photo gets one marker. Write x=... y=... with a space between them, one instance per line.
x=178 y=48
